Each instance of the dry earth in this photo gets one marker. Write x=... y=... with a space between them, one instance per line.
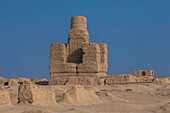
x=125 y=98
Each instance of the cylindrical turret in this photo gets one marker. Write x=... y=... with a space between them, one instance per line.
x=78 y=22
x=78 y=33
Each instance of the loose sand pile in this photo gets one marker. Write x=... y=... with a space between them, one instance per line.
x=79 y=95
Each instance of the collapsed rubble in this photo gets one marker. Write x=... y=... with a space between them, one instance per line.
x=4 y=97
x=34 y=94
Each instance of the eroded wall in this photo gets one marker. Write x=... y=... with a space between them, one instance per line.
x=144 y=73
x=78 y=57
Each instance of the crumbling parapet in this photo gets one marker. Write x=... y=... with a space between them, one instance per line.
x=144 y=73
x=78 y=57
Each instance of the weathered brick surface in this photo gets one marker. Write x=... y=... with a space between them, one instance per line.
x=78 y=58
x=76 y=80
x=119 y=79
x=144 y=73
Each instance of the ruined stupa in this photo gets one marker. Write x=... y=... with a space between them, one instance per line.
x=78 y=60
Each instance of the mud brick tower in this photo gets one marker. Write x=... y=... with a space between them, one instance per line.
x=78 y=61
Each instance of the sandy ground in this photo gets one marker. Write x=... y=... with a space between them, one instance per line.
x=137 y=98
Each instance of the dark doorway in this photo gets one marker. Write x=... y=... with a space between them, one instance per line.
x=143 y=73
x=6 y=83
x=75 y=57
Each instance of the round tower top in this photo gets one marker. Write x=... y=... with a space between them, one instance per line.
x=78 y=22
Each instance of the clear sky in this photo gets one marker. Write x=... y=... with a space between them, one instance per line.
x=137 y=33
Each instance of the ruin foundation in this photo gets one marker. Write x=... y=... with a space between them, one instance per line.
x=76 y=61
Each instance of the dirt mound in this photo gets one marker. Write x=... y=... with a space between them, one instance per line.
x=79 y=95
x=106 y=97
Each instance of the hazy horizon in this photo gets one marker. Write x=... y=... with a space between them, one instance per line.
x=137 y=34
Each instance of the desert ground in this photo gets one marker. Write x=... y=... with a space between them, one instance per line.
x=118 y=98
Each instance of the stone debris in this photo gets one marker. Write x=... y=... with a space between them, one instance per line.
x=29 y=93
